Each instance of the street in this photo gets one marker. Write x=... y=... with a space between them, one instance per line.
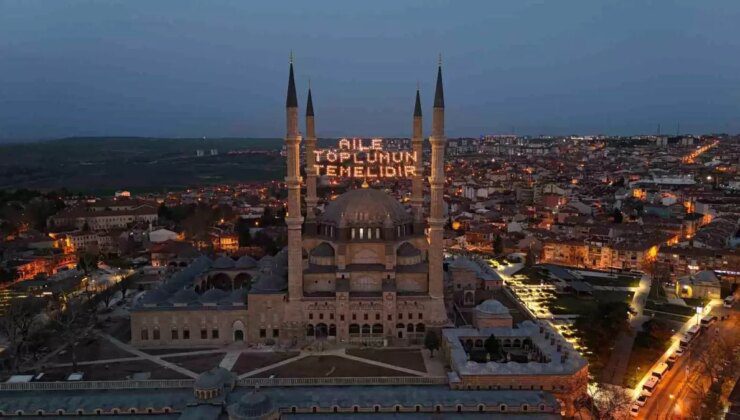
x=672 y=398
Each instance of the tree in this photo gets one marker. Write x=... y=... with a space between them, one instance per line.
x=431 y=342
x=498 y=245
x=242 y=228
x=71 y=317
x=617 y=216
x=531 y=258
x=16 y=324
x=493 y=348
x=87 y=262
x=609 y=402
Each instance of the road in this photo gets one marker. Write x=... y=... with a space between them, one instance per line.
x=672 y=398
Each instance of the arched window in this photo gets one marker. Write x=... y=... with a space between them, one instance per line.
x=332 y=330
x=369 y=233
x=365 y=328
x=377 y=328
x=354 y=329
x=353 y=233
x=362 y=233
x=420 y=327
x=410 y=328
x=310 y=331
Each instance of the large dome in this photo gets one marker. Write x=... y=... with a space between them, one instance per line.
x=365 y=206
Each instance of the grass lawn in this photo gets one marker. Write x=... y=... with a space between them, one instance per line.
x=667 y=317
x=250 y=361
x=197 y=363
x=405 y=358
x=569 y=304
x=619 y=281
x=328 y=366
x=115 y=371
x=671 y=308
x=532 y=275
x=604 y=296
x=694 y=302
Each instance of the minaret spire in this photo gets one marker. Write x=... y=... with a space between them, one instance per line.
x=439 y=94
x=311 y=199
x=417 y=181
x=309 y=102
x=292 y=99
x=293 y=182
x=436 y=185
x=417 y=106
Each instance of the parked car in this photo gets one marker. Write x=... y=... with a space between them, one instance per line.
x=634 y=410
x=641 y=400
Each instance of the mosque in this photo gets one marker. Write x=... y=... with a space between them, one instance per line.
x=365 y=270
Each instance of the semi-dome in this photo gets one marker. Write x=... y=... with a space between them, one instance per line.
x=223 y=263
x=184 y=297
x=213 y=295
x=153 y=297
x=365 y=206
x=254 y=405
x=246 y=262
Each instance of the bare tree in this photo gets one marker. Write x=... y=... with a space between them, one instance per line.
x=714 y=365
x=609 y=402
x=72 y=317
x=16 y=325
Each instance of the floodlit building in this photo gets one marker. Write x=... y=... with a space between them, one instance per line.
x=365 y=270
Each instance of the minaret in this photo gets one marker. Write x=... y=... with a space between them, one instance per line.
x=311 y=199
x=417 y=182
x=293 y=182
x=437 y=183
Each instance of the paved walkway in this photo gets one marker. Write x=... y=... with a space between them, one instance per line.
x=434 y=365
x=230 y=359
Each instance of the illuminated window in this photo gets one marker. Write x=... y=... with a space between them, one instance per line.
x=362 y=233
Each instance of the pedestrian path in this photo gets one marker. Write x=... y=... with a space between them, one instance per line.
x=433 y=365
x=230 y=359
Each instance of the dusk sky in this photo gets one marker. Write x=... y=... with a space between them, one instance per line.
x=219 y=68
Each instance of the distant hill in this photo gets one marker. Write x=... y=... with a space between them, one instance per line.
x=101 y=164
